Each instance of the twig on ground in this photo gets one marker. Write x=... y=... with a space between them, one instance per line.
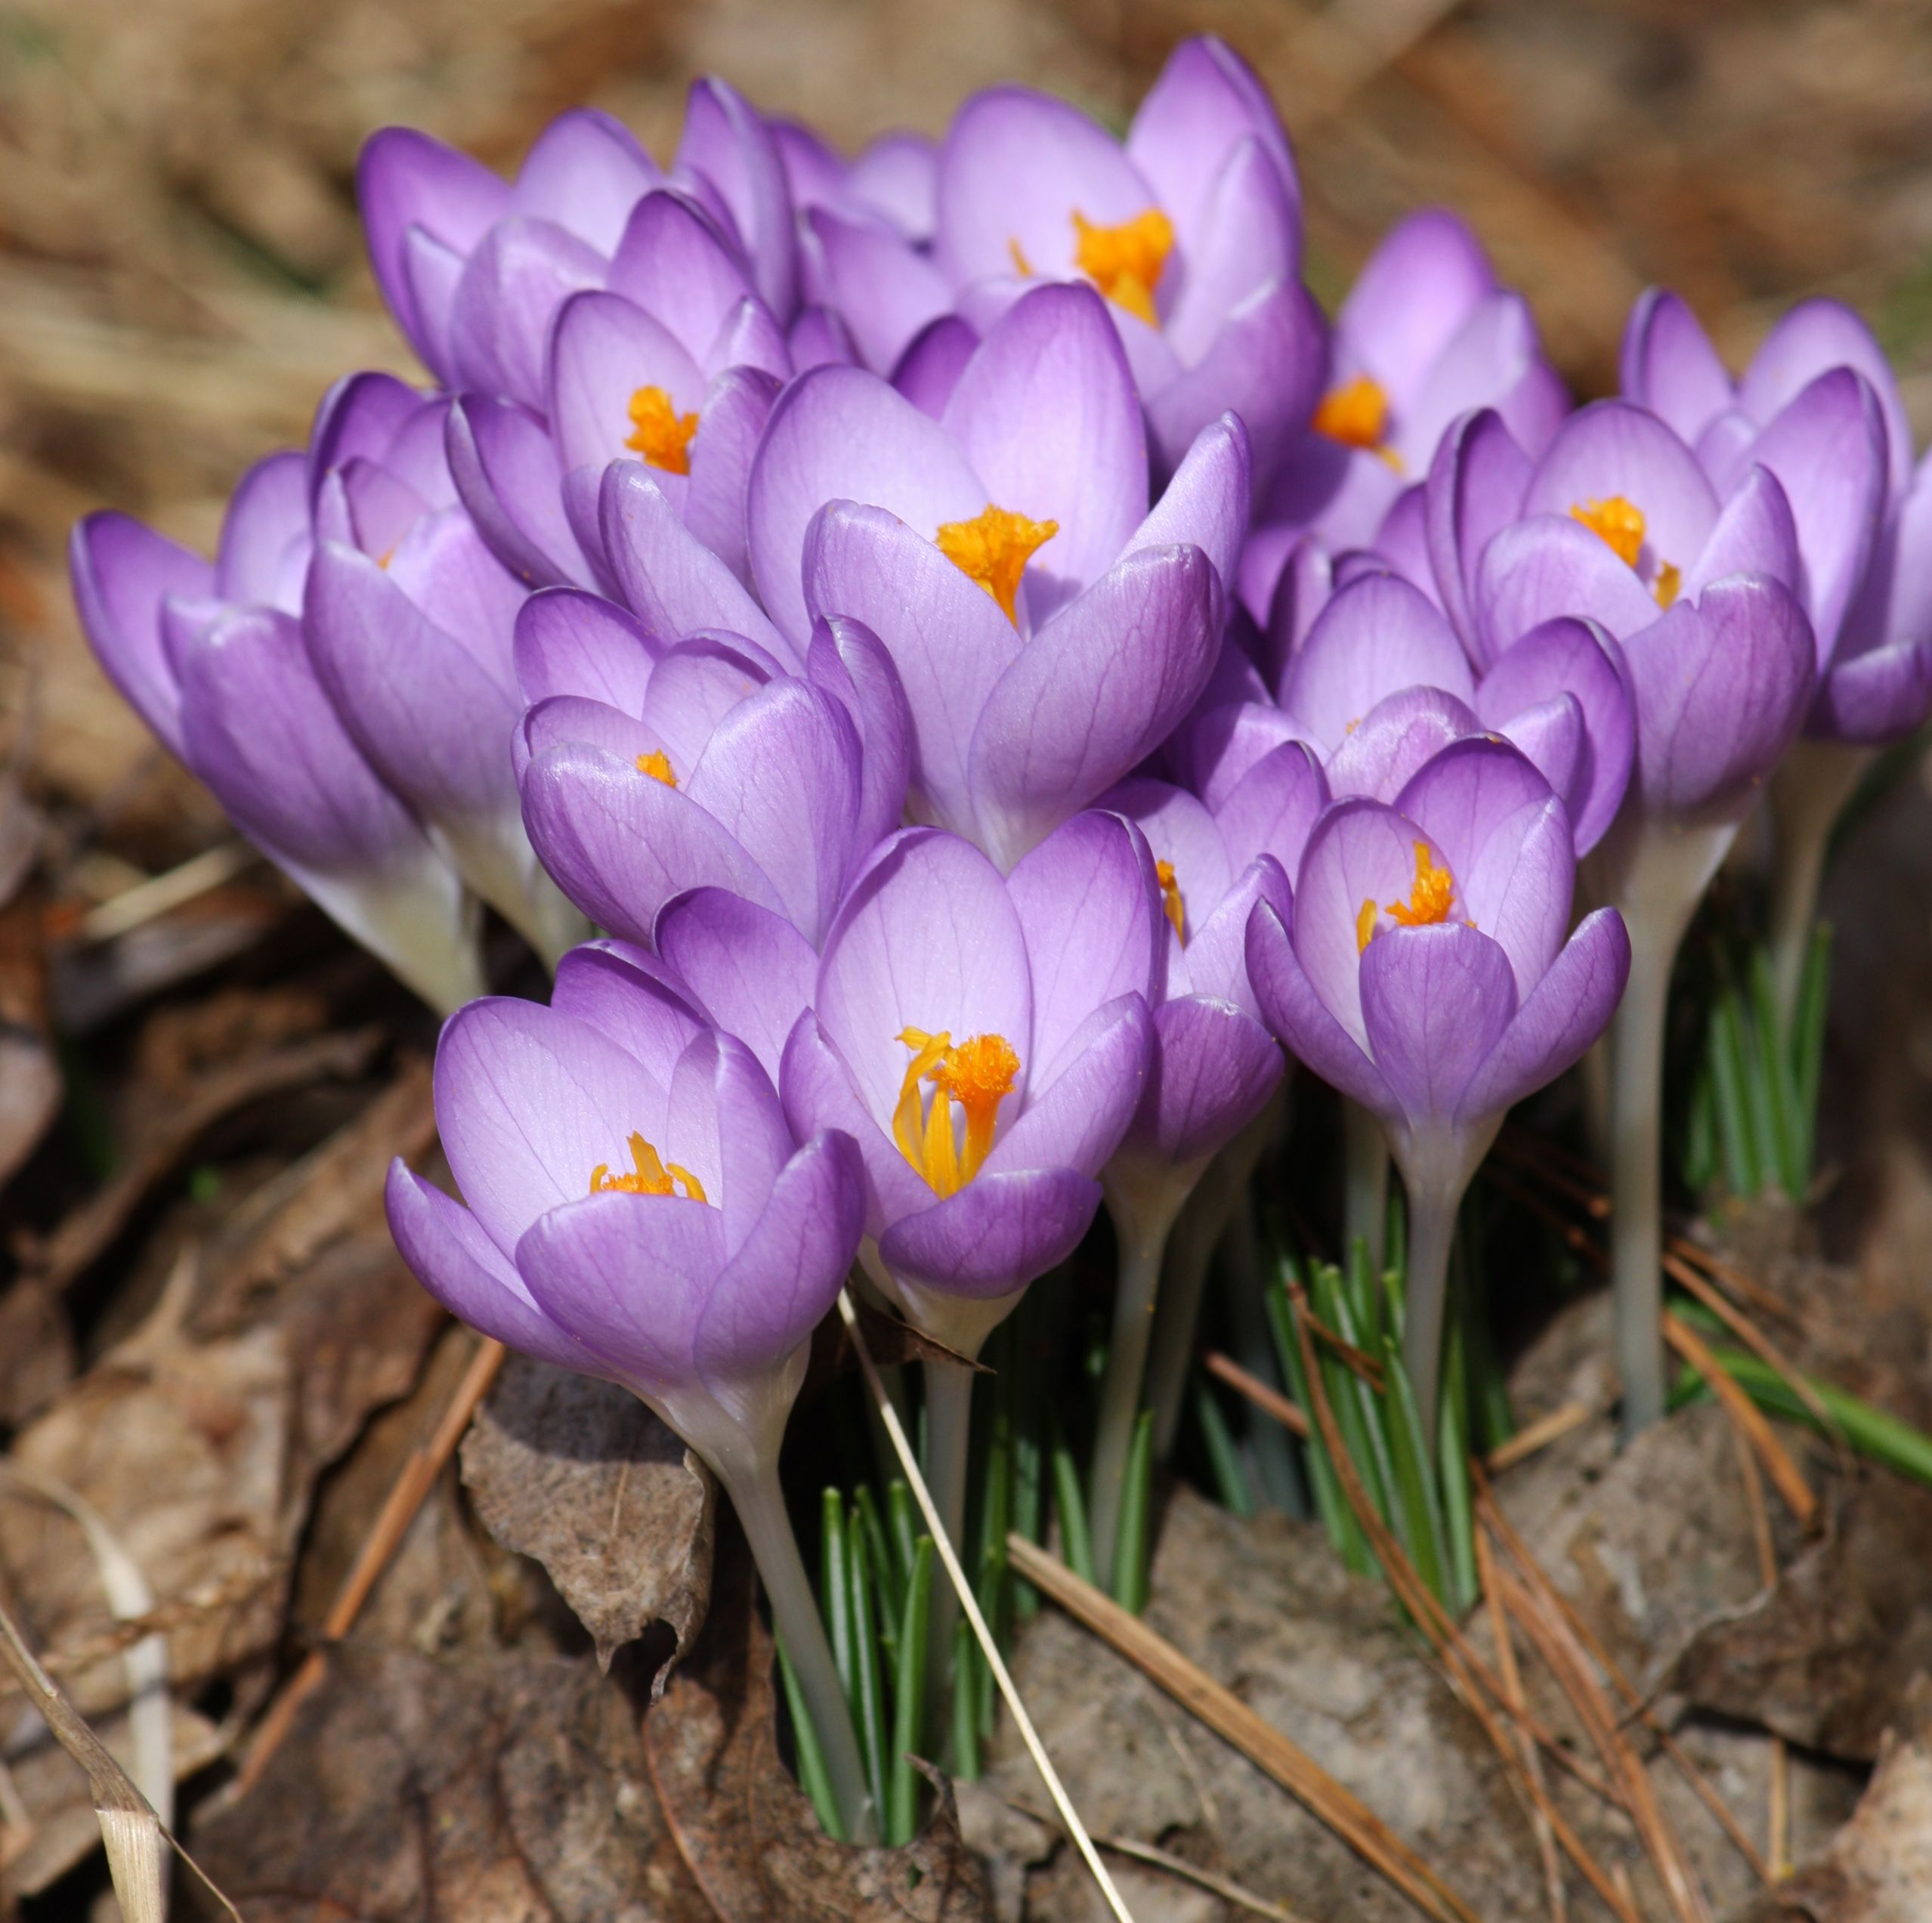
x=1772 y=1453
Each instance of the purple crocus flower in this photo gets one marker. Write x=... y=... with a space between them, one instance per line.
x=895 y=180
x=1425 y=973
x=647 y=772
x=213 y=659
x=1426 y=334
x=1048 y=630
x=638 y=1210
x=474 y=268
x=1212 y=1067
x=1191 y=231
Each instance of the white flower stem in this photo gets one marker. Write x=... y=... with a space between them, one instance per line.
x=1120 y=1388
x=1365 y=1197
x=760 y=1504
x=1808 y=794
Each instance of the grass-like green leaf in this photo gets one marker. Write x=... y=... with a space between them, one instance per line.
x=909 y=1701
x=1131 y=1554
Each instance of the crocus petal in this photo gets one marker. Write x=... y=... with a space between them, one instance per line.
x=520 y=274
x=1247 y=235
x=1217 y=950
x=121 y=572
x=694 y=687
x=1571 y=659
x=787 y=1272
x=626 y=992
x=405 y=179
x=1875 y=697
x=504 y=466
x=1078 y=1118
x=1559 y=1019
x=628 y=1276
x=886 y=289
x=1474 y=489
x=1210 y=1072
x=585 y=171
x=1494 y=358
x=1088 y=904
x=1507 y=839
x=1436 y=1001
x=724 y=1115
x=1304 y=1023
x=1045 y=414
x=452 y=1258
x=947 y=639
x=674 y=584
x=1669 y=366
x=1546 y=567
x=929 y=370
x=726 y=139
x=1379 y=635
x=1207 y=502
x=1012 y=169
x=750 y=967
x=840 y=434
x=819 y=338
x=737 y=405
x=850 y=662
x=1720 y=689
x=603 y=350
x=673 y=262
x=620 y=843
x=1093 y=694
x=1610 y=449
x=996 y=1234
x=1205 y=102
x=1427 y=275
x=1398 y=735
x=820 y=1092
x=360 y=415
x=268 y=514
x=1273 y=808
x=1754 y=535
x=529 y=1101
x=569 y=642
x=927 y=939
x=1182 y=833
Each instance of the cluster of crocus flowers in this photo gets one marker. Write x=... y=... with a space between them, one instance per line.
x=994 y=665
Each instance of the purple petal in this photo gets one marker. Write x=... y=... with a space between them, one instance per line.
x=1877 y=698
x=121 y=572
x=1273 y=808
x=1435 y=1002
x=1088 y=907
x=517 y=279
x=1094 y=693
x=838 y=434
x=1754 y=535
x=1377 y=636
x=627 y=993
x=821 y=1093
x=1397 y=736
x=1247 y=235
x=1670 y=366
x=1474 y=489
x=1182 y=833
x=1216 y=962
x=1205 y=505
x=886 y=290
x=1569 y=659
x=1297 y=1015
x=724 y=1115
x=569 y=642
x=751 y=968
x=1211 y=1071
x=1560 y=1017
x=1420 y=286
x=850 y=662
x=603 y=350
x=930 y=368
x=947 y=639
x=694 y=687
x=1494 y=359
x=897 y=176
x=997 y=1234
x=819 y=338
x=727 y=141
x=1078 y=1119
x=505 y=470
x=268 y=516
x=1545 y=567
x=1046 y=416
x=585 y=171
x=361 y=414
x=673 y=262
x=405 y=179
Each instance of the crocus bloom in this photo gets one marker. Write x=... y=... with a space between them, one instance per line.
x=1191 y=231
x=213 y=659
x=1425 y=972
x=1048 y=630
x=647 y=772
x=671 y=357
x=474 y=268
x=1426 y=334
x=1212 y=1067
x=638 y=1210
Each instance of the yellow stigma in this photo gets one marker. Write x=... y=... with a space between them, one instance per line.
x=1021 y=265
x=1618 y=522
x=1428 y=902
x=1170 y=897
x=1124 y=262
x=994 y=550
x=648 y=1177
x=659 y=432
x=657 y=765
x=1356 y=414
x=978 y=1075
x=1665 y=587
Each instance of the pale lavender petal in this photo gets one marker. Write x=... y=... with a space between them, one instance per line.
x=1211 y=1070
x=504 y=466
x=1398 y=735
x=1494 y=353
x=1182 y=833
x=1207 y=503
x=997 y=1234
x=821 y=1093
x=819 y=338
x=737 y=406
x=1876 y=698
x=1247 y=235
x=363 y=415
x=626 y=992
x=1078 y=1119
x=726 y=139
x=885 y=290
x=1669 y=366
x=1474 y=489
x=267 y=515
x=850 y=662
x=694 y=687
x=1217 y=950
x=569 y=642
x=604 y=350
x=511 y=286
x=675 y=264
x=1549 y=567
x=1428 y=277
x=1376 y=637
x=1273 y=808
x=751 y=968
x=1304 y=1023
x=898 y=176
x=585 y=171
x=934 y=360
x=1435 y=1002
x=1755 y=535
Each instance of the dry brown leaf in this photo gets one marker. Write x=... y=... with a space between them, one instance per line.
x=580 y=1475
x=742 y=1823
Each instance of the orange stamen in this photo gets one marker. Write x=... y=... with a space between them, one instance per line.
x=1428 y=902
x=1021 y=265
x=649 y=1175
x=1356 y=413
x=659 y=432
x=1124 y=262
x=993 y=549
x=1170 y=897
x=1617 y=522
x=979 y=1076
x=657 y=765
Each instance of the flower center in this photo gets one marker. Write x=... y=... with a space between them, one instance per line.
x=659 y=432
x=1170 y=898
x=1428 y=901
x=993 y=549
x=977 y=1077
x=648 y=1177
x=1124 y=262
x=1619 y=524
x=1356 y=414
x=657 y=765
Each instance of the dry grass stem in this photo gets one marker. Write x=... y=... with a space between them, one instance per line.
x=1264 y=1396
x=1540 y=1434
x=1772 y=1453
